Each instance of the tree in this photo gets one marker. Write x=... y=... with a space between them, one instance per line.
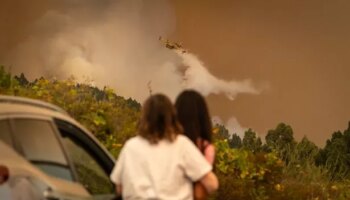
x=235 y=141
x=251 y=142
x=305 y=152
x=22 y=80
x=336 y=155
x=306 y=148
x=279 y=137
x=221 y=132
x=281 y=140
x=5 y=78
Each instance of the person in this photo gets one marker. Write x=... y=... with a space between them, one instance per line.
x=160 y=162
x=194 y=116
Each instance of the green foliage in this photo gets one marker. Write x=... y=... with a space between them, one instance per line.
x=262 y=175
x=111 y=118
x=251 y=141
x=280 y=169
x=5 y=78
x=336 y=155
x=280 y=140
x=282 y=135
x=220 y=132
x=22 y=80
x=235 y=141
x=306 y=152
x=245 y=175
x=8 y=85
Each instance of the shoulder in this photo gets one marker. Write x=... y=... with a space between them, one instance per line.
x=186 y=145
x=131 y=141
x=134 y=142
x=182 y=139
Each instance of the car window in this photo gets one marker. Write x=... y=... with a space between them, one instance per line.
x=5 y=134
x=90 y=169
x=39 y=144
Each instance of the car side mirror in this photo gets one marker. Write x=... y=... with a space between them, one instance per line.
x=4 y=174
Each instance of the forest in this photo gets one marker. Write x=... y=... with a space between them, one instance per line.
x=279 y=168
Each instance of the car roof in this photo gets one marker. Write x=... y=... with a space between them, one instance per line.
x=10 y=105
x=30 y=102
x=21 y=106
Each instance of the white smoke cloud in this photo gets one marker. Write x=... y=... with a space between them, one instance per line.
x=232 y=125
x=116 y=44
x=198 y=77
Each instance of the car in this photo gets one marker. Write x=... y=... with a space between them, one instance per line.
x=54 y=155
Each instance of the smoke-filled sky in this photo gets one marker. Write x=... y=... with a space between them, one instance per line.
x=258 y=62
x=301 y=48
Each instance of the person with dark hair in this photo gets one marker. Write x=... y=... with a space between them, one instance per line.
x=161 y=163
x=194 y=116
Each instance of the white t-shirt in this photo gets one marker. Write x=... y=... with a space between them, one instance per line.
x=165 y=170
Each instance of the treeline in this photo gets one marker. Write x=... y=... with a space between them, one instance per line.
x=334 y=157
x=280 y=168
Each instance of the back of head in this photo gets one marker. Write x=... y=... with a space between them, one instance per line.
x=159 y=120
x=193 y=115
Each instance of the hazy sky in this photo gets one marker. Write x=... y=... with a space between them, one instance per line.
x=297 y=50
x=301 y=48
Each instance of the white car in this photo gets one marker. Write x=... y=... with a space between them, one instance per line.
x=49 y=155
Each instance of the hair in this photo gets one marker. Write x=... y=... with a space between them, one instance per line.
x=158 y=120
x=193 y=115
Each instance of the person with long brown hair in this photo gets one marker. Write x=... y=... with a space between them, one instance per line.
x=194 y=116
x=160 y=162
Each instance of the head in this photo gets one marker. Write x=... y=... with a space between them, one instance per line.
x=193 y=114
x=158 y=120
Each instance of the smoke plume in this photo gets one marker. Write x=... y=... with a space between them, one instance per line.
x=232 y=125
x=113 y=43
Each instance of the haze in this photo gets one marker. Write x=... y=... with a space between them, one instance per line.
x=301 y=48
x=281 y=61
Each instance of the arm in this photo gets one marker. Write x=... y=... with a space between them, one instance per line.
x=209 y=154
x=199 y=191
x=210 y=182
x=118 y=189
x=198 y=169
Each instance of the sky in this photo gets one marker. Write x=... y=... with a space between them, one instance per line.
x=257 y=62
x=300 y=48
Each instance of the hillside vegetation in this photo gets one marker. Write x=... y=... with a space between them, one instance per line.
x=111 y=118
x=282 y=168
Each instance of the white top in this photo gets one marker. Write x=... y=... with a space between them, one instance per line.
x=160 y=171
